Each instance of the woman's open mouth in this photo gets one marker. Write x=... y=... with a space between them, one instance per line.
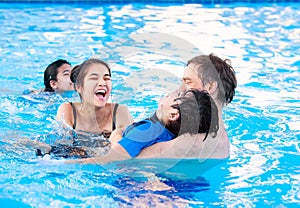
x=101 y=93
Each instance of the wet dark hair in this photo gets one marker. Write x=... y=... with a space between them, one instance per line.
x=74 y=75
x=198 y=114
x=212 y=68
x=51 y=73
x=79 y=72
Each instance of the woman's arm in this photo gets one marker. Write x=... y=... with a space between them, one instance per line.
x=65 y=114
x=117 y=153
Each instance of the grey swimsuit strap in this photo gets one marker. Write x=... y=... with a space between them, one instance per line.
x=74 y=115
x=114 y=116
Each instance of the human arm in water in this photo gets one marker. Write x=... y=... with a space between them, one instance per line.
x=65 y=114
x=190 y=146
x=136 y=137
x=117 y=153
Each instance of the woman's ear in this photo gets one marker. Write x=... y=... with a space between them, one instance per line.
x=53 y=84
x=174 y=115
x=76 y=87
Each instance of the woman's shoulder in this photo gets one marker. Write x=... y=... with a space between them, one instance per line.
x=65 y=113
x=122 y=114
x=67 y=107
x=120 y=109
x=118 y=106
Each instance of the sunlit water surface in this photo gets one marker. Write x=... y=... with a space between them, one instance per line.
x=147 y=46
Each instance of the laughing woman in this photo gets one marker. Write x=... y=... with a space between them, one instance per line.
x=94 y=118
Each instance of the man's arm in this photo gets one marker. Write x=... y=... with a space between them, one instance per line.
x=189 y=146
x=175 y=148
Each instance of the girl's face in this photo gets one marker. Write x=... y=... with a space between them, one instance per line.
x=97 y=85
x=63 y=82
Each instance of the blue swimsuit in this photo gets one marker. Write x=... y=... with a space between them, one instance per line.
x=143 y=134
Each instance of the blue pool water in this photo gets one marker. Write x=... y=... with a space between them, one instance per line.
x=147 y=46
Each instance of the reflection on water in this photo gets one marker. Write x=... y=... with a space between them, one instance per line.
x=147 y=47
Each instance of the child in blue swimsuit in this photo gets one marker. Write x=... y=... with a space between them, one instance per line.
x=191 y=112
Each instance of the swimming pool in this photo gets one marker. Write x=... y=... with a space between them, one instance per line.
x=262 y=41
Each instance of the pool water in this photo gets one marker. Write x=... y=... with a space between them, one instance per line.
x=147 y=46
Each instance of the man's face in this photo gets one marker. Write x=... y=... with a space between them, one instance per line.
x=64 y=82
x=191 y=78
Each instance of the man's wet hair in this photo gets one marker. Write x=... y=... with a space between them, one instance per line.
x=212 y=68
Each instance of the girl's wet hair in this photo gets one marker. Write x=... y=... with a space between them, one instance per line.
x=198 y=114
x=74 y=75
x=51 y=73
